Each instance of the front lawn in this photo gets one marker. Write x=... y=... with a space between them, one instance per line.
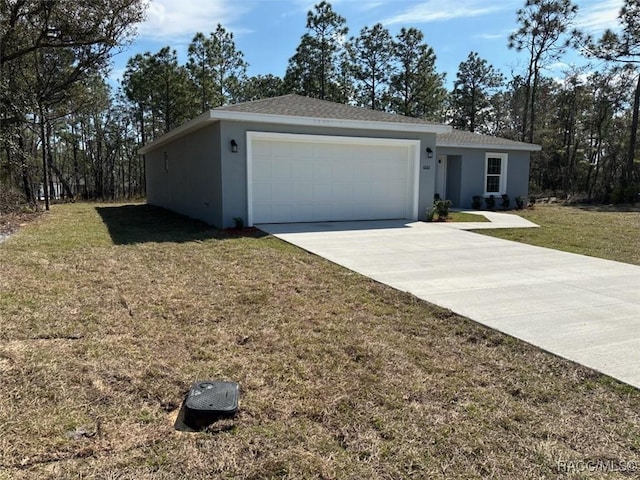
x=604 y=231
x=109 y=312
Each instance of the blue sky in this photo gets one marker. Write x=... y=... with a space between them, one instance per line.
x=268 y=31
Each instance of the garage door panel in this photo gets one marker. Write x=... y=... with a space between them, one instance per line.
x=261 y=170
x=321 y=212
x=281 y=149
x=281 y=214
x=262 y=193
x=302 y=170
x=322 y=171
x=321 y=151
x=322 y=192
x=302 y=212
x=342 y=193
x=387 y=171
x=343 y=170
x=263 y=212
x=261 y=149
x=343 y=212
x=362 y=191
x=282 y=193
x=281 y=169
x=302 y=192
x=390 y=193
x=332 y=178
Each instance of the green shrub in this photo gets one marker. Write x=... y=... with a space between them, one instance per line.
x=11 y=200
x=431 y=213
x=625 y=194
x=476 y=202
x=439 y=211
x=491 y=202
x=520 y=201
x=239 y=222
x=505 y=201
x=442 y=209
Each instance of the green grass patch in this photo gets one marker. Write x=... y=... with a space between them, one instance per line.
x=109 y=312
x=605 y=232
x=466 y=217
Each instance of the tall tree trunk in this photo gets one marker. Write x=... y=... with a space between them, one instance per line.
x=472 y=116
x=9 y=158
x=76 y=165
x=26 y=181
x=532 y=106
x=143 y=139
x=63 y=181
x=52 y=187
x=45 y=166
x=525 y=111
x=627 y=175
x=204 y=88
x=129 y=162
x=594 y=184
x=323 y=72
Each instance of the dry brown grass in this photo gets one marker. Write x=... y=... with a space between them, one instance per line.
x=104 y=325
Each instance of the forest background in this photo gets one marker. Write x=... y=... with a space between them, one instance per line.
x=66 y=132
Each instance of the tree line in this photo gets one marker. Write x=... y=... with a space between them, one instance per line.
x=65 y=133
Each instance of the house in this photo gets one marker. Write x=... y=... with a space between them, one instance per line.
x=300 y=159
x=474 y=164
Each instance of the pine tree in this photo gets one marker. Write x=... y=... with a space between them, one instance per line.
x=471 y=96
x=416 y=88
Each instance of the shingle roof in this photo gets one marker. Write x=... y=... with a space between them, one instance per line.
x=460 y=138
x=299 y=110
x=299 y=106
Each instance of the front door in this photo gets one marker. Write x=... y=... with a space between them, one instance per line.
x=441 y=177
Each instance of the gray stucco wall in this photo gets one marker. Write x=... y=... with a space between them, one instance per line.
x=468 y=165
x=234 y=165
x=192 y=184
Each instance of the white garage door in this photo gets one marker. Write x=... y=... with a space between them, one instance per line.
x=309 y=178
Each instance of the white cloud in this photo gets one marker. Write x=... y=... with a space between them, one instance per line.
x=438 y=11
x=491 y=36
x=370 y=5
x=599 y=16
x=558 y=66
x=176 y=19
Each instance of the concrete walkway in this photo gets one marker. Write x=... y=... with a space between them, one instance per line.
x=581 y=308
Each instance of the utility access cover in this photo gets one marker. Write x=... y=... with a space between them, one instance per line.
x=208 y=401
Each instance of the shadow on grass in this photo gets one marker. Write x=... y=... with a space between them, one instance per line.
x=131 y=224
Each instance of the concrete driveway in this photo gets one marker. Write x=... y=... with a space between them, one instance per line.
x=581 y=308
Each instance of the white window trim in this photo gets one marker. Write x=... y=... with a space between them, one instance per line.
x=504 y=157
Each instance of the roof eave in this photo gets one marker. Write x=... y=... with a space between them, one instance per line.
x=217 y=115
x=489 y=146
x=188 y=127
x=331 y=122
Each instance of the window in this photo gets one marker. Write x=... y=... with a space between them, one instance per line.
x=495 y=170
